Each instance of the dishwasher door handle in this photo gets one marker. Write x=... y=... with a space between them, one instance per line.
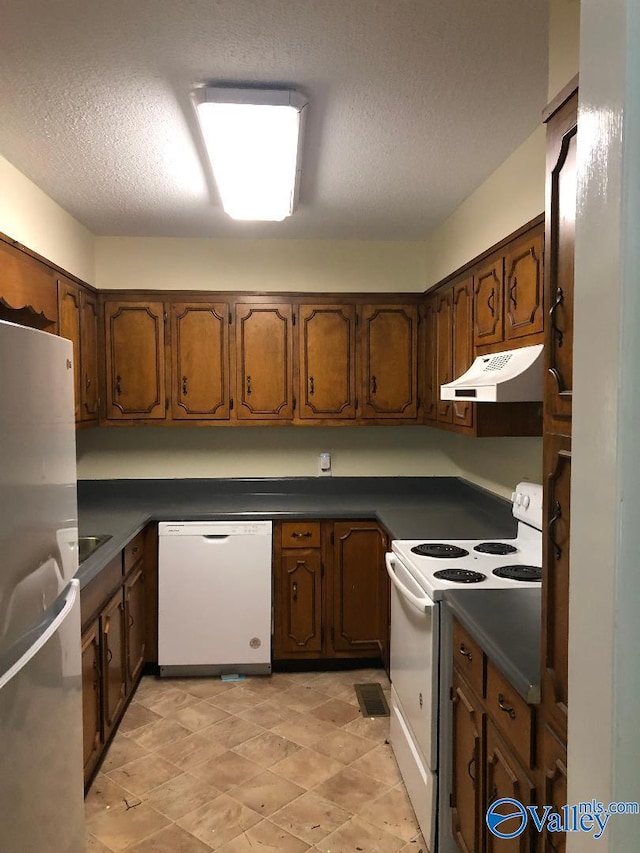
x=219 y=537
x=420 y=603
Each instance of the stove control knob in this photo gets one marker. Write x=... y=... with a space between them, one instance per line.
x=518 y=498
x=526 y=500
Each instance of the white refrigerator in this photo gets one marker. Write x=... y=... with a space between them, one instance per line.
x=41 y=775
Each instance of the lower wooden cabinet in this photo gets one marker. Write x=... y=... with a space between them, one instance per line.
x=466 y=776
x=330 y=590
x=91 y=697
x=113 y=608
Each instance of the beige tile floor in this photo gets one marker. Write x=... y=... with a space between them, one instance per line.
x=285 y=764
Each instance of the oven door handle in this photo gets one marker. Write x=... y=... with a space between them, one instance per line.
x=422 y=604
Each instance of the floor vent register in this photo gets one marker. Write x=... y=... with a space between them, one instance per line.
x=371 y=700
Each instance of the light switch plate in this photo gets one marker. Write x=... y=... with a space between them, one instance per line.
x=324 y=465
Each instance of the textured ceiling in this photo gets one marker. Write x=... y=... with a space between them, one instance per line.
x=412 y=104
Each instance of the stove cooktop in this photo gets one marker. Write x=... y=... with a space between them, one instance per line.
x=474 y=564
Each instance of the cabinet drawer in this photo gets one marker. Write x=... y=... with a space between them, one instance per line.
x=511 y=714
x=100 y=589
x=300 y=534
x=133 y=552
x=468 y=658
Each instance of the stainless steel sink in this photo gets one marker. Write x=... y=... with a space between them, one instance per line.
x=88 y=544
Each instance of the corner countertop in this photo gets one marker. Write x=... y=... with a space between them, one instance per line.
x=407 y=507
x=506 y=623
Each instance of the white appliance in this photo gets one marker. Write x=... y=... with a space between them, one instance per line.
x=420 y=572
x=214 y=597
x=41 y=775
x=510 y=376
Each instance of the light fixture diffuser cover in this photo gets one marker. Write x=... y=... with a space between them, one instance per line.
x=253 y=138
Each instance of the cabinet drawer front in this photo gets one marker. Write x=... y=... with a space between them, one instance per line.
x=468 y=658
x=300 y=534
x=510 y=713
x=133 y=552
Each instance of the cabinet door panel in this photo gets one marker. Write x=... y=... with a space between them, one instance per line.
x=444 y=371
x=554 y=791
x=27 y=290
x=505 y=778
x=135 y=360
x=113 y=662
x=462 y=310
x=466 y=768
x=359 y=587
x=327 y=361
x=555 y=578
x=135 y=622
x=200 y=361
x=299 y=602
x=524 y=289
x=487 y=303
x=560 y=250
x=431 y=360
x=91 y=698
x=70 y=319
x=89 y=357
x=264 y=372
x=390 y=361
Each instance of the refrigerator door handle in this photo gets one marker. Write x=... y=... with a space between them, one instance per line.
x=48 y=632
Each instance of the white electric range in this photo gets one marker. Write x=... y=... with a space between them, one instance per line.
x=421 y=571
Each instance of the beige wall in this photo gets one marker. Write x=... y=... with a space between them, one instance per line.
x=496 y=464
x=33 y=219
x=270 y=265
x=510 y=197
x=564 y=43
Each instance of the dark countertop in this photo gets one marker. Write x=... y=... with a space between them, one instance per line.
x=407 y=507
x=506 y=624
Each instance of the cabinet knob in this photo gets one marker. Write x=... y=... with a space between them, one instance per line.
x=552 y=316
x=374 y=385
x=312 y=386
x=512 y=292
x=298 y=535
x=465 y=653
x=248 y=386
x=557 y=515
x=118 y=385
x=490 y=300
x=295 y=591
x=87 y=382
x=185 y=386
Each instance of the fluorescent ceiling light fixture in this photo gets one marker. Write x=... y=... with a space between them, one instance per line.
x=254 y=140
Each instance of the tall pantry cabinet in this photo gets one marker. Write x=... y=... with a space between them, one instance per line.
x=562 y=119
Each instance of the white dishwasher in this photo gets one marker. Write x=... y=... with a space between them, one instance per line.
x=214 y=597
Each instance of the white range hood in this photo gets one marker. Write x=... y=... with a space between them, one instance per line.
x=512 y=376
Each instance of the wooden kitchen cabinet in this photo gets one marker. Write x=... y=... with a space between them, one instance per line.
x=264 y=361
x=91 y=697
x=327 y=354
x=430 y=371
x=112 y=625
x=135 y=360
x=553 y=787
x=360 y=588
x=505 y=778
x=524 y=289
x=114 y=644
x=78 y=322
x=444 y=353
x=135 y=619
x=200 y=361
x=488 y=288
x=28 y=294
x=462 y=411
x=466 y=776
x=331 y=596
x=562 y=138
x=389 y=345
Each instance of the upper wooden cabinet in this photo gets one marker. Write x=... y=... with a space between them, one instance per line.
x=327 y=351
x=524 y=288
x=78 y=321
x=28 y=293
x=431 y=388
x=508 y=295
x=200 y=361
x=488 y=302
x=264 y=361
x=389 y=336
x=444 y=352
x=135 y=366
x=559 y=267
x=462 y=347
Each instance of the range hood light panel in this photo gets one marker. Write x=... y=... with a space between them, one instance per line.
x=253 y=138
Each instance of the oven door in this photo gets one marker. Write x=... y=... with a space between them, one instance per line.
x=414 y=658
